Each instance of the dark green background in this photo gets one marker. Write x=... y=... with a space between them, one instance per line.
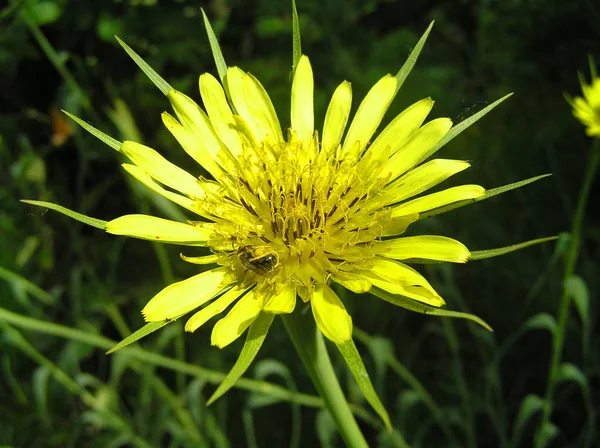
x=477 y=52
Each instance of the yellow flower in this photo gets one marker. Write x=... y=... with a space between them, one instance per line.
x=587 y=108
x=288 y=212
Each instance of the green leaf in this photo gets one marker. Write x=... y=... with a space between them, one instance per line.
x=530 y=405
x=98 y=223
x=256 y=336
x=215 y=48
x=488 y=194
x=463 y=125
x=412 y=59
x=578 y=291
x=418 y=307
x=541 y=321
x=107 y=139
x=354 y=361
x=570 y=372
x=22 y=283
x=44 y=13
x=546 y=434
x=150 y=327
x=162 y=85
x=296 y=38
x=489 y=253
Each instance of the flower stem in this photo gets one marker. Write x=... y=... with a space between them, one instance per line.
x=565 y=301
x=309 y=344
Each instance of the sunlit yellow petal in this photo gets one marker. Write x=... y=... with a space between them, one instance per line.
x=423 y=178
x=221 y=117
x=207 y=259
x=354 y=282
x=330 y=314
x=192 y=144
x=158 y=229
x=214 y=308
x=414 y=292
x=303 y=115
x=179 y=199
x=195 y=120
x=416 y=148
x=232 y=326
x=179 y=298
x=336 y=117
x=368 y=116
x=162 y=170
x=281 y=302
x=427 y=247
x=253 y=104
x=395 y=134
x=439 y=199
x=395 y=272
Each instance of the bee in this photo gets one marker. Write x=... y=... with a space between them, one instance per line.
x=260 y=259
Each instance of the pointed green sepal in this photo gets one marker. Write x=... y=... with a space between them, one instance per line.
x=357 y=367
x=488 y=194
x=158 y=81
x=463 y=125
x=412 y=59
x=104 y=138
x=418 y=307
x=98 y=223
x=215 y=48
x=150 y=327
x=296 y=39
x=256 y=336
x=489 y=253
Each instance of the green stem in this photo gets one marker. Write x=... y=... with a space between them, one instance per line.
x=309 y=344
x=565 y=301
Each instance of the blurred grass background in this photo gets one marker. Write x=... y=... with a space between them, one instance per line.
x=445 y=383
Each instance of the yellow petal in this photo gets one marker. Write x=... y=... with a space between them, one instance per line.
x=303 y=114
x=158 y=229
x=179 y=199
x=282 y=302
x=439 y=199
x=192 y=144
x=194 y=119
x=354 y=282
x=253 y=104
x=232 y=326
x=410 y=280
x=221 y=117
x=415 y=293
x=415 y=149
x=179 y=298
x=423 y=178
x=330 y=314
x=368 y=116
x=207 y=259
x=427 y=247
x=162 y=170
x=214 y=308
x=401 y=128
x=336 y=117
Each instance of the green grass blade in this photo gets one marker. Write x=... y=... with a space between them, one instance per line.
x=296 y=38
x=27 y=286
x=98 y=223
x=463 y=125
x=107 y=139
x=488 y=194
x=412 y=59
x=418 y=307
x=256 y=336
x=489 y=253
x=150 y=327
x=156 y=359
x=357 y=367
x=215 y=48
x=158 y=81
